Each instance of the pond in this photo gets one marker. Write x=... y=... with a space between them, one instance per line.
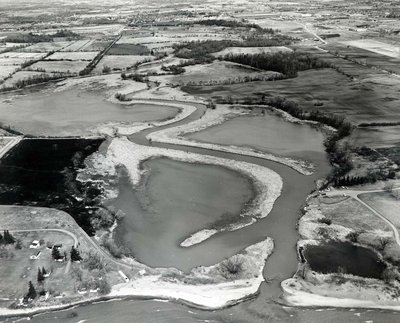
x=72 y=112
x=333 y=257
x=269 y=133
x=176 y=200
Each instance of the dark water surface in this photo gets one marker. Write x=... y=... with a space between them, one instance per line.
x=333 y=257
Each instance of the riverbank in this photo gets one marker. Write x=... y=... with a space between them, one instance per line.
x=209 y=287
x=122 y=152
x=213 y=117
x=345 y=220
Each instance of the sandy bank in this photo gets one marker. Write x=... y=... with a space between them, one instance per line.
x=122 y=152
x=214 y=117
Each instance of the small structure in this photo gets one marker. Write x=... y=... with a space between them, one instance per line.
x=36 y=257
x=125 y=277
x=34 y=244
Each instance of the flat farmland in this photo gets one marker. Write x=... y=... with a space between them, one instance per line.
x=22 y=75
x=72 y=56
x=60 y=66
x=360 y=102
x=368 y=57
x=6 y=71
x=252 y=50
x=128 y=49
x=115 y=61
x=22 y=55
x=215 y=72
x=377 y=137
x=45 y=47
x=376 y=47
x=79 y=45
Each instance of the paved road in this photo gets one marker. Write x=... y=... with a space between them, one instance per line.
x=355 y=195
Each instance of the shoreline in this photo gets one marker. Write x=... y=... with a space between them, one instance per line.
x=215 y=117
x=159 y=287
x=267 y=184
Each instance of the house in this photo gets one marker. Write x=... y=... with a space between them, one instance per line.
x=35 y=257
x=34 y=244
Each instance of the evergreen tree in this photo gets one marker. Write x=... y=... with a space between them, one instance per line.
x=40 y=277
x=44 y=272
x=1 y=239
x=8 y=238
x=75 y=255
x=55 y=253
x=31 y=291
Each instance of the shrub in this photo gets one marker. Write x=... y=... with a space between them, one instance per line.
x=353 y=236
x=231 y=267
x=106 y=69
x=326 y=221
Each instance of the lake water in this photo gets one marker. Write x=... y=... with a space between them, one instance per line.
x=176 y=200
x=268 y=133
x=72 y=112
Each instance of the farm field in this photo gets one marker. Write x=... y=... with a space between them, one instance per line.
x=386 y=204
x=22 y=55
x=252 y=50
x=366 y=57
x=45 y=47
x=22 y=75
x=7 y=70
x=79 y=45
x=215 y=72
x=365 y=101
x=72 y=56
x=128 y=49
x=59 y=66
x=377 y=137
x=116 y=62
x=376 y=47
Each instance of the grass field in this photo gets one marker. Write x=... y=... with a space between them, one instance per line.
x=5 y=71
x=22 y=55
x=60 y=66
x=45 y=47
x=216 y=71
x=377 y=137
x=386 y=204
x=16 y=272
x=116 y=62
x=21 y=75
x=359 y=218
x=365 y=101
x=376 y=47
x=73 y=56
x=128 y=49
x=252 y=50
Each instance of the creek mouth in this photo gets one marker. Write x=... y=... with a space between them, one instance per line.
x=42 y=172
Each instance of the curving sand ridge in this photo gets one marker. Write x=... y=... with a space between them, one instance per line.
x=122 y=152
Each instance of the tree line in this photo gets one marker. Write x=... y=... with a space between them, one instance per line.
x=288 y=63
x=201 y=50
